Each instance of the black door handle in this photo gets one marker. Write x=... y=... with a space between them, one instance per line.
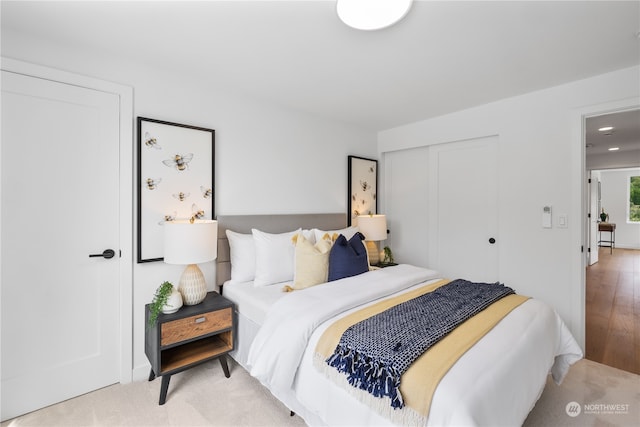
x=492 y=240
x=108 y=253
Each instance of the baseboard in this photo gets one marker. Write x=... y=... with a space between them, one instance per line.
x=636 y=248
x=141 y=372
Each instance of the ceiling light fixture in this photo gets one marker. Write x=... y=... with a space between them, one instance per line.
x=372 y=14
x=606 y=128
x=614 y=148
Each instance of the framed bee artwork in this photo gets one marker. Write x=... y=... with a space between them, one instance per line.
x=175 y=180
x=362 y=197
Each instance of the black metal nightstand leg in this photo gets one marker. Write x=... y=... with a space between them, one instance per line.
x=152 y=375
x=225 y=367
x=164 y=388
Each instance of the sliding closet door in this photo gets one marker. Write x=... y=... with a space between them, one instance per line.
x=442 y=207
x=406 y=205
x=463 y=195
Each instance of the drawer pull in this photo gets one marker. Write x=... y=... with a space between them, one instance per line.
x=200 y=319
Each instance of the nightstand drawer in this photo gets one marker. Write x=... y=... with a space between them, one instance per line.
x=195 y=326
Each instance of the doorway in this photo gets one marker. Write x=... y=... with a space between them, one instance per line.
x=611 y=313
x=612 y=307
x=62 y=129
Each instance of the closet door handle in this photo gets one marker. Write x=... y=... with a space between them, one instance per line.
x=492 y=240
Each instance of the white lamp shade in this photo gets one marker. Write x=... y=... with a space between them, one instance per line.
x=372 y=14
x=186 y=243
x=374 y=227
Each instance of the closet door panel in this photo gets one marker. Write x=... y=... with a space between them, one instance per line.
x=407 y=206
x=463 y=192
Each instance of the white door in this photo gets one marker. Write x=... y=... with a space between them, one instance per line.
x=60 y=203
x=594 y=203
x=406 y=205
x=463 y=192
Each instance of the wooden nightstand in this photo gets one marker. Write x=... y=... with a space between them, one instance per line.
x=188 y=337
x=385 y=264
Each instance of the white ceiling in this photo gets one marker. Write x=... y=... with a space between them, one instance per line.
x=625 y=135
x=443 y=57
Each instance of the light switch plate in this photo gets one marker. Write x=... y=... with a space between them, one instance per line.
x=563 y=222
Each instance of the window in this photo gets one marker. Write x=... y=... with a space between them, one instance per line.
x=634 y=199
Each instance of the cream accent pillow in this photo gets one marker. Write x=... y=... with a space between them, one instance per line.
x=311 y=261
x=274 y=257
x=309 y=235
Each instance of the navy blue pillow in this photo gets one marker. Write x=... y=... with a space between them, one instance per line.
x=347 y=257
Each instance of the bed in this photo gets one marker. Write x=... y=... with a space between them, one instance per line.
x=497 y=381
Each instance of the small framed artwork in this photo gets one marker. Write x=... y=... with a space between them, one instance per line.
x=362 y=187
x=175 y=180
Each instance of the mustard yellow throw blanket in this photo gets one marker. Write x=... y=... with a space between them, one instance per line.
x=420 y=380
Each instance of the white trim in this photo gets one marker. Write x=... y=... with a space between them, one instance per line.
x=125 y=93
x=579 y=207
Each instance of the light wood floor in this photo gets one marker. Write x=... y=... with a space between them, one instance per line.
x=613 y=309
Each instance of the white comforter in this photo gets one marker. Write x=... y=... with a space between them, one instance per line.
x=495 y=383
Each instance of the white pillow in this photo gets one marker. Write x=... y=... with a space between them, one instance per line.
x=242 y=253
x=346 y=232
x=274 y=257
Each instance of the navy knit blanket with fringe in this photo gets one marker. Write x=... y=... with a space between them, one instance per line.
x=375 y=352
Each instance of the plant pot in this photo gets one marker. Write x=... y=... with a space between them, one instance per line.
x=603 y=217
x=174 y=302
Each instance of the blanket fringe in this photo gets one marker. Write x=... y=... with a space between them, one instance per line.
x=368 y=374
x=381 y=404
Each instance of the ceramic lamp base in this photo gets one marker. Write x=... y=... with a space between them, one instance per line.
x=373 y=252
x=192 y=285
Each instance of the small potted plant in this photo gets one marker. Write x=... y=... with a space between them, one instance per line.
x=603 y=216
x=167 y=299
x=388 y=257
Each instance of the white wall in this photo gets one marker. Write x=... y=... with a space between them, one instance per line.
x=541 y=158
x=615 y=201
x=268 y=159
x=614 y=160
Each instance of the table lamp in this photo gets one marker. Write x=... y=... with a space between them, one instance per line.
x=190 y=244
x=374 y=228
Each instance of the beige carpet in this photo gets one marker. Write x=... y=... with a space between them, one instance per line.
x=202 y=396
x=597 y=395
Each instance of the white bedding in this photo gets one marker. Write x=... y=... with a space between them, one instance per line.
x=253 y=302
x=497 y=382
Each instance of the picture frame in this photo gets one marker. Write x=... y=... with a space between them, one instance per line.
x=362 y=188
x=175 y=180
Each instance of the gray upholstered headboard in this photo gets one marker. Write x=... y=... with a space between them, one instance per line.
x=269 y=224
